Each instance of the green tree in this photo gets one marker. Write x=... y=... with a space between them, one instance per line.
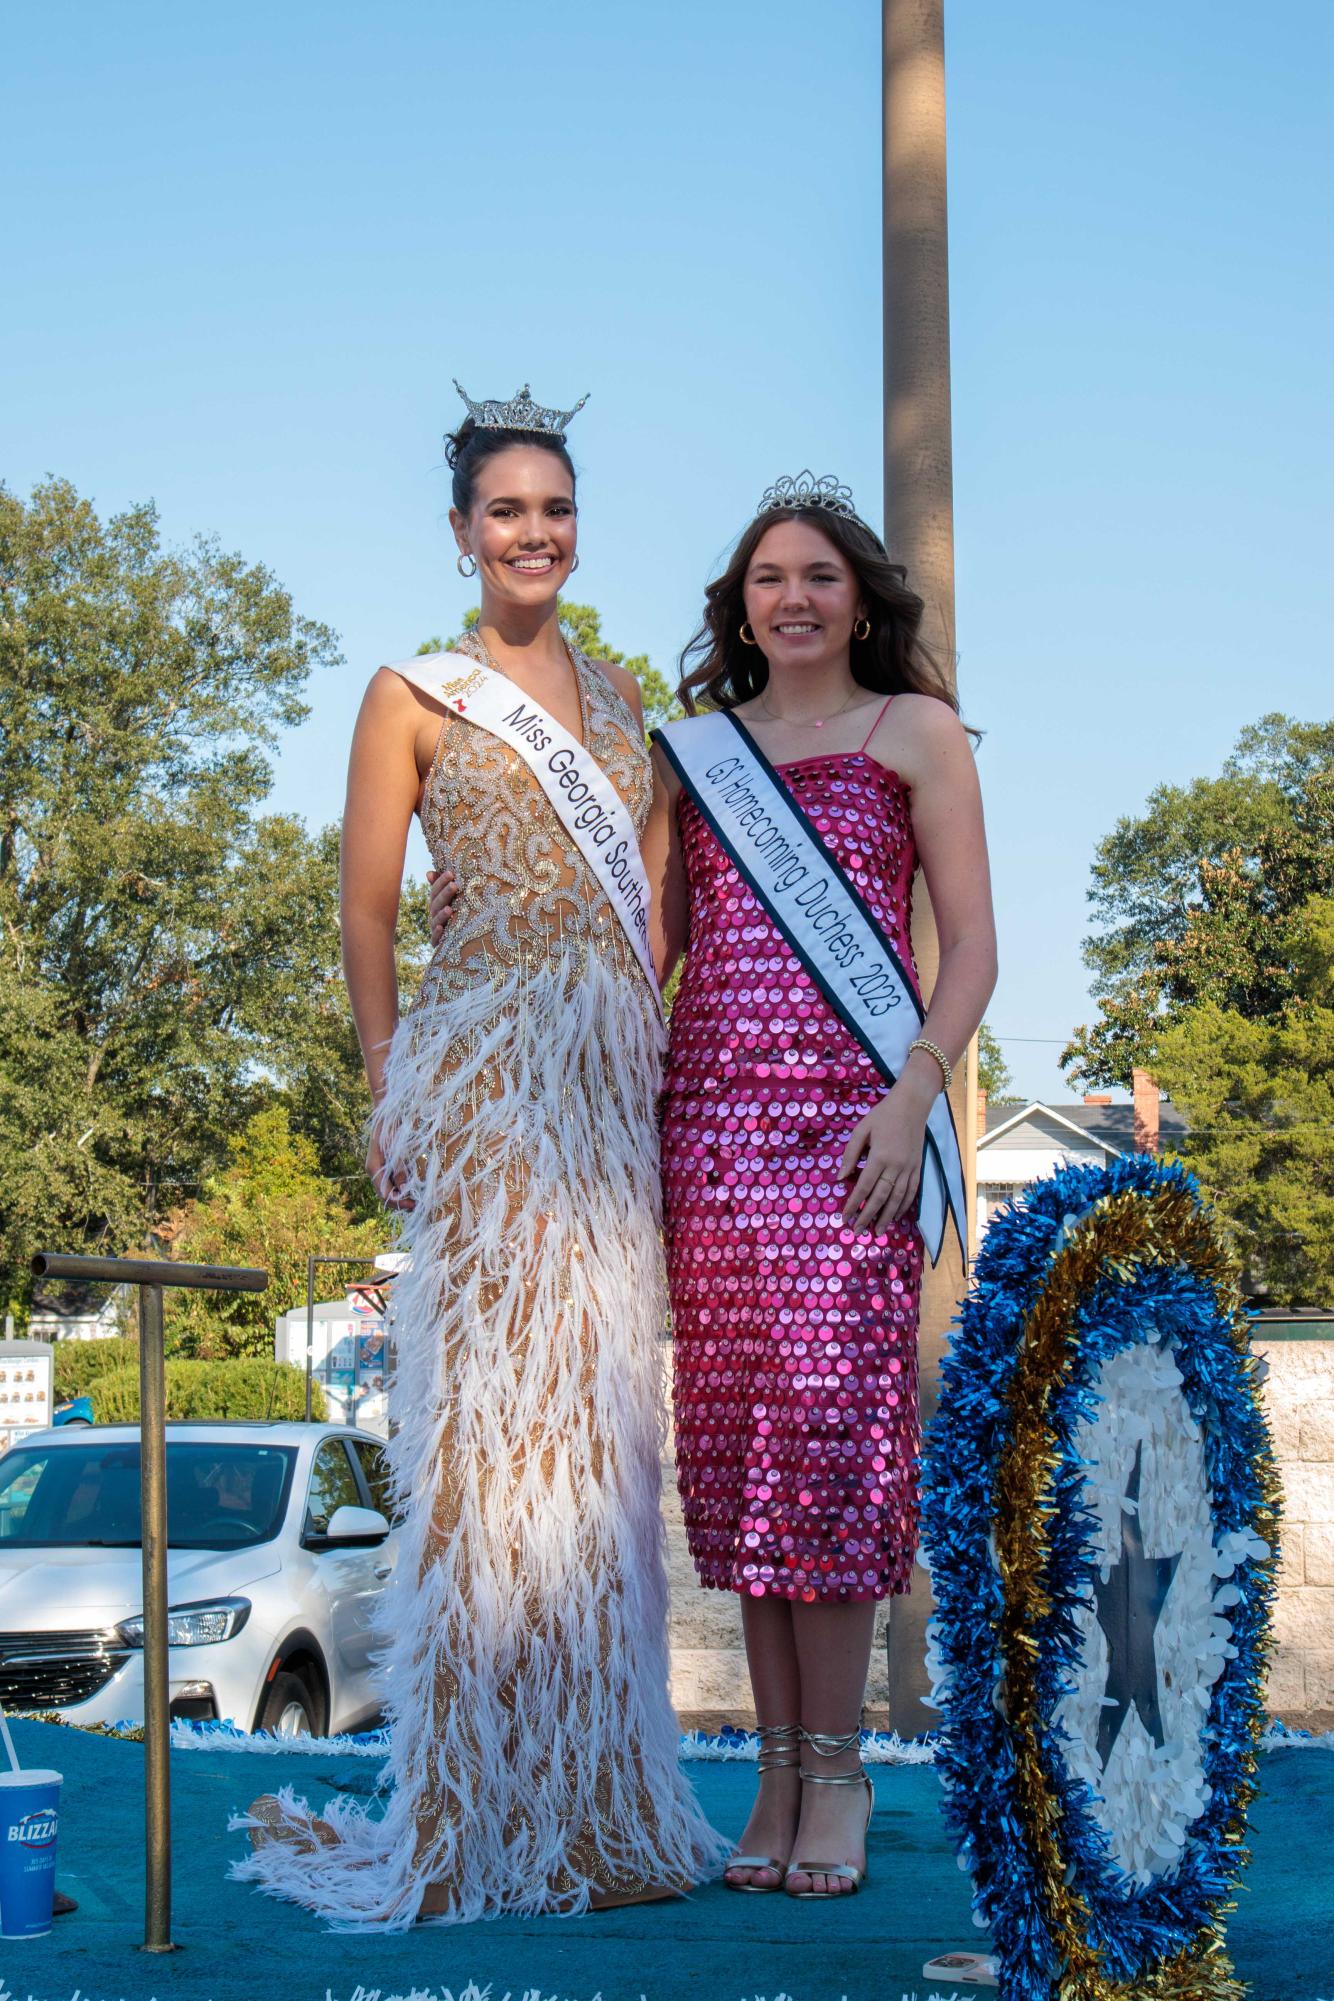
x=993 y=1072
x=584 y=624
x=198 y=1391
x=297 y=1016
x=78 y=1364
x=1258 y=1095
x=141 y=888
x=270 y=1206
x=1200 y=899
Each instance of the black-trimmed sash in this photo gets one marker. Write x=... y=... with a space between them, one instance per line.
x=828 y=924
x=585 y=801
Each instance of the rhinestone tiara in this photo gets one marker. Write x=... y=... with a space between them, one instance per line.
x=519 y=414
x=803 y=489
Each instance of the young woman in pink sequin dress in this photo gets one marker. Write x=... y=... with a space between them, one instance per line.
x=791 y=1170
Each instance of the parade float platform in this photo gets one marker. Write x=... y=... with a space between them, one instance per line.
x=236 y=1945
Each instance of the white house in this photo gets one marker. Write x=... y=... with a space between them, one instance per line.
x=1019 y=1141
x=82 y=1313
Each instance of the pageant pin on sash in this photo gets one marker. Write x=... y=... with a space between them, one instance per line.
x=586 y=802
x=826 y=922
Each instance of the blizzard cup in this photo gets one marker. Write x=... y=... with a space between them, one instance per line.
x=29 y=1808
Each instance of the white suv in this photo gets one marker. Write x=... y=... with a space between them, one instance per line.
x=279 y=1545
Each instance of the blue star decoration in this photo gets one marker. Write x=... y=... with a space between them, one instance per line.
x=1129 y=1605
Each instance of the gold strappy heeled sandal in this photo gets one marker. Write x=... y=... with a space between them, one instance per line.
x=277 y=1825
x=619 y=1900
x=826 y=1745
x=784 y=1756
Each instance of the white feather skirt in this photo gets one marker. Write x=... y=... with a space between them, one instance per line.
x=534 y=1749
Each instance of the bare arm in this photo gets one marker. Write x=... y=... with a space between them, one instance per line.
x=952 y=845
x=933 y=755
x=382 y=786
x=664 y=865
x=660 y=845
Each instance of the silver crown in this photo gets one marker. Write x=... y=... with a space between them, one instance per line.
x=803 y=489
x=519 y=414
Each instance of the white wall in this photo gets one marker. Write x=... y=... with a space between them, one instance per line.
x=1299 y=1402
x=1004 y=1171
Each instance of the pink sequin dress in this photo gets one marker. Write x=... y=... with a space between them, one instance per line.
x=795 y=1339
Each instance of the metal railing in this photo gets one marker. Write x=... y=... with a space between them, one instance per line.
x=151 y=1275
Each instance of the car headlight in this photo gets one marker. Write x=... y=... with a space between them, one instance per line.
x=193 y=1625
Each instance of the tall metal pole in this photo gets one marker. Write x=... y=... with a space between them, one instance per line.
x=919 y=463
x=310 y=1331
x=919 y=532
x=150 y=1275
x=157 y=1692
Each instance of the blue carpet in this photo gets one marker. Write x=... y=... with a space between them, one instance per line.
x=239 y=1946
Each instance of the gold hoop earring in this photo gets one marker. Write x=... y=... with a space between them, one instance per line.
x=466 y=557
x=746 y=636
x=862 y=628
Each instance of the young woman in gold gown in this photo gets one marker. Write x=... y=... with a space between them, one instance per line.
x=534 y=1747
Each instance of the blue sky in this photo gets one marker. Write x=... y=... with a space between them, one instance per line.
x=246 y=251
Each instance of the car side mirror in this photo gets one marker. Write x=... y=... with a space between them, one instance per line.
x=349 y=1524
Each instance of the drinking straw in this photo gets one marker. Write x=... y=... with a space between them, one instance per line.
x=9 y=1743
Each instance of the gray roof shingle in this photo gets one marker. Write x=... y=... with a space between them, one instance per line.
x=1114 y=1125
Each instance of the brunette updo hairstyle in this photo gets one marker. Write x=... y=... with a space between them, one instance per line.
x=468 y=449
x=720 y=669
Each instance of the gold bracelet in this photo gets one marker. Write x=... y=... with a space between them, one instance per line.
x=933 y=1049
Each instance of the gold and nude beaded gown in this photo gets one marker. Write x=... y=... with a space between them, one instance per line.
x=534 y=1746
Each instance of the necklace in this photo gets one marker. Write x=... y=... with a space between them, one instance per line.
x=805 y=722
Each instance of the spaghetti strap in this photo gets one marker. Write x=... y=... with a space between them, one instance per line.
x=879 y=718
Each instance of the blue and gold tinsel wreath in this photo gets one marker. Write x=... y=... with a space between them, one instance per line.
x=1100 y=1444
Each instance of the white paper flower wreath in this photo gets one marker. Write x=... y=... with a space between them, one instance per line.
x=1149 y=1794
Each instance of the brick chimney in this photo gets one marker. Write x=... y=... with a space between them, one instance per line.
x=981 y=1111
x=1097 y=1097
x=1146 y=1097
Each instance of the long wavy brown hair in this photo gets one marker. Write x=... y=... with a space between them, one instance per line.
x=718 y=668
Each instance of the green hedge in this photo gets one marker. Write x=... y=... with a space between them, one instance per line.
x=207 y=1390
x=78 y=1364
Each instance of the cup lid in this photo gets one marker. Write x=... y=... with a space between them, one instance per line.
x=30 y=1778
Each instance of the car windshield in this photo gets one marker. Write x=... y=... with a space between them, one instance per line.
x=86 y=1496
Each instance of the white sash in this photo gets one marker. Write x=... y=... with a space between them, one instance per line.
x=586 y=802
x=826 y=922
